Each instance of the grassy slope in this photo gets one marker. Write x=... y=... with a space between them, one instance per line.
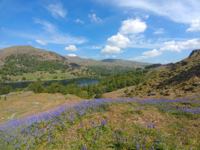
x=36 y=75
x=179 y=80
x=29 y=103
x=119 y=124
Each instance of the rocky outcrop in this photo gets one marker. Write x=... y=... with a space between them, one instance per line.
x=151 y=94
x=194 y=51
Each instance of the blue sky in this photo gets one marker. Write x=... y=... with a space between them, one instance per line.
x=151 y=31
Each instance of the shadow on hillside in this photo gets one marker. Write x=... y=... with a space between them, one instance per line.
x=182 y=77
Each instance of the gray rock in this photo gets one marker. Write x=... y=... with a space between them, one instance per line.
x=2 y=96
x=21 y=92
x=14 y=93
x=151 y=93
x=165 y=91
x=197 y=83
x=175 y=78
x=10 y=109
x=37 y=103
x=186 y=70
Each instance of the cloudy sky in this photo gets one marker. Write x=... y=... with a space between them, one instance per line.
x=154 y=31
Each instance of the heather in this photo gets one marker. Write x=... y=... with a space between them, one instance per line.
x=126 y=123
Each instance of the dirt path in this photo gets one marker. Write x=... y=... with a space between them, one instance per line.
x=12 y=116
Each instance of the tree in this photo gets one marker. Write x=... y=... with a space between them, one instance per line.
x=23 y=78
x=99 y=93
x=38 y=87
x=126 y=91
x=90 y=90
x=79 y=92
x=109 y=88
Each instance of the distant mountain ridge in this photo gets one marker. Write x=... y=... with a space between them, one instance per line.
x=106 y=62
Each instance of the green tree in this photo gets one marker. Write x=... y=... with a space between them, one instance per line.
x=126 y=91
x=38 y=87
x=109 y=88
x=90 y=90
x=99 y=93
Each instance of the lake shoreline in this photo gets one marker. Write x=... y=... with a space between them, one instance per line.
x=34 y=80
x=79 y=81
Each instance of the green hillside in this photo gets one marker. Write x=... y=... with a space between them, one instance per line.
x=180 y=79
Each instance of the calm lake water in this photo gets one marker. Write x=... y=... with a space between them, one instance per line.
x=80 y=81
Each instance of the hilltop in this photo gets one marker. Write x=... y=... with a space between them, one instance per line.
x=31 y=63
x=178 y=79
x=20 y=50
x=106 y=62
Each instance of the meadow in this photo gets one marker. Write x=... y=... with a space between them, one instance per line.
x=43 y=76
x=122 y=124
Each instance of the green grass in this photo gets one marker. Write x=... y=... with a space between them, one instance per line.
x=59 y=75
x=33 y=76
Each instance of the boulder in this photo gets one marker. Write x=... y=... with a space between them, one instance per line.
x=165 y=91
x=190 y=88
x=2 y=96
x=197 y=83
x=151 y=93
x=175 y=78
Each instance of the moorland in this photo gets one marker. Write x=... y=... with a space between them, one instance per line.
x=153 y=106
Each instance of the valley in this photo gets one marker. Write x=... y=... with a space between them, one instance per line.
x=126 y=108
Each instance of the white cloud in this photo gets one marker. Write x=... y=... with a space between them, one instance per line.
x=131 y=26
x=119 y=40
x=182 y=11
x=148 y=54
x=146 y=16
x=95 y=47
x=94 y=17
x=165 y=61
x=194 y=43
x=109 y=49
x=29 y=42
x=159 y=31
x=41 y=42
x=107 y=56
x=171 y=46
x=157 y=60
x=57 y=10
x=113 y=56
x=79 y=21
x=71 y=48
x=50 y=34
x=2 y=28
x=195 y=25
x=71 y=55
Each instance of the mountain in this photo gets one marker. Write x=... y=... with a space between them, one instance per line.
x=177 y=80
x=33 y=63
x=20 y=50
x=126 y=62
x=83 y=61
x=106 y=62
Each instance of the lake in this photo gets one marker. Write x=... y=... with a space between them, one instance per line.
x=80 y=81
